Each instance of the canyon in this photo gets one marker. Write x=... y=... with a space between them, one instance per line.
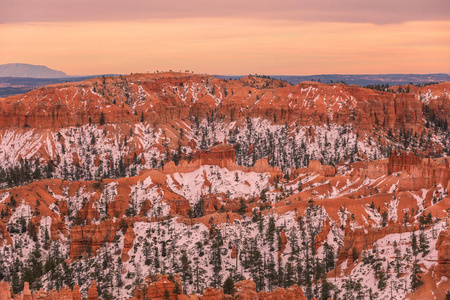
x=186 y=186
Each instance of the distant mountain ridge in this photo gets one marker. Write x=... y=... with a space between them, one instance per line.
x=28 y=70
x=361 y=79
x=20 y=78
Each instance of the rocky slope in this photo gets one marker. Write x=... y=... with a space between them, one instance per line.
x=167 y=96
x=340 y=190
x=116 y=126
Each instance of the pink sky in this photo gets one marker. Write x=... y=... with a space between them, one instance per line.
x=228 y=37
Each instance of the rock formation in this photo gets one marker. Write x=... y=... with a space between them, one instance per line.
x=63 y=294
x=92 y=292
x=443 y=247
x=136 y=169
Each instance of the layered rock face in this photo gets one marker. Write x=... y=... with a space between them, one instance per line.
x=4 y=235
x=403 y=162
x=316 y=167
x=86 y=240
x=329 y=192
x=416 y=174
x=206 y=177
x=290 y=293
x=92 y=292
x=5 y=291
x=161 y=288
x=63 y=294
x=167 y=96
x=443 y=247
x=364 y=239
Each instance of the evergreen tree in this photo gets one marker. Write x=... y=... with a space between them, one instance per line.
x=423 y=244
x=271 y=274
x=242 y=207
x=185 y=267
x=289 y=275
x=414 y=243
x=216 y=261
x=166 y=295
x=177 y=289
x=228 y=286
x=329 y=257
x=102 y=119
x=325 y=289
x=416 y=279
x=270 y=235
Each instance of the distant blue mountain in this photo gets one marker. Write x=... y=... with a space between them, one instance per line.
x=27 y=70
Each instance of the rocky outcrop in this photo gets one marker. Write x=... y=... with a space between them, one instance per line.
x=57 y=227
x=417 y=174
x=213 y=294
x=88 y=212
x=63 y=294
x=89 y=238
x=92 y=292
x=161 y=288
x=283 y=242
x=361 y=239
x=233 y=252
x=322 y=235
x=4 y=235
x=316 y=166
x=402 y=162
x=26 y=295
x=127 y=243
x=76 y=295
x=5 y=291
x=166 y=97
x=443 y=248
x=245 y=290
x=219 y=155
x=291 y=293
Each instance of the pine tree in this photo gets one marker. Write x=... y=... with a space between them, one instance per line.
x=271 y=274
x=398 y=259
x=325 y=290
x=242 y=207
x=185 y=267
x=423 y=244
x=119 y=264
x=416 y=279
x=414 y=243
x=256 y=266
x=329 y=257
x=199 y=273
x=177 y=289
x=289 y=275
x=166 y=295
x=270 y=235
x=228 y=286
x=102 y=119
x=216 y=261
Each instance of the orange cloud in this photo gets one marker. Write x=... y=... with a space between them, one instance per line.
x=229 y=46
x=360 y=11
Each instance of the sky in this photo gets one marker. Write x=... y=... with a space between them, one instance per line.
x=233 y=37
